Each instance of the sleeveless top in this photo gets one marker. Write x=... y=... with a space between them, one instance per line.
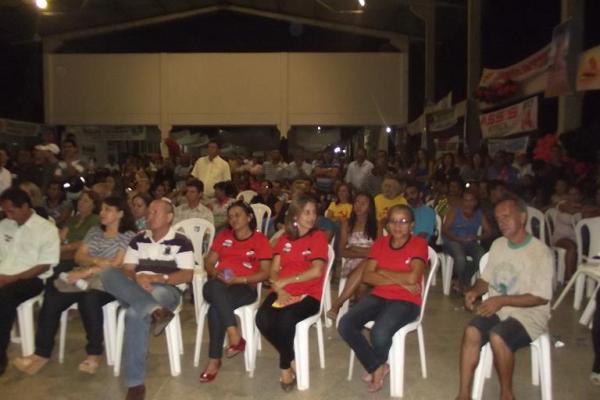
x=358 y=239
x=463 y=226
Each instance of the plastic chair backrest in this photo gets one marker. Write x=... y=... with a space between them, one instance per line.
x=434 y=263
x=262 y=213
x=587 y=234
x=550 y=218
x=438 y=230
x=326 y=282
x=196 y=229
x=483 y=261
x=246 y=195
x=536 y=223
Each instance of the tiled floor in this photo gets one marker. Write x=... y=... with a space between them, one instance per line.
x=444 y=323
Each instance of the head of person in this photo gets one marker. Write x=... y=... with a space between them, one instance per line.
x=55 y=191
x=114 y=210
x=364 y=207
x=142 y=185
x=342 y=193
x=511 y=215
x=159 y=191
x=69 y=148
x=266 y=188
x=497 y=189
x=111 y=183
x=574 y=194
x=16 y=205
x=102 y=189
x=561 y=187
x=277 y=188
x=301 y=216
x=299 y=158
x=361 y=155
x=448 y=160
x=88 y=203
x=275 y=156
x=455 y=187
x=422 y=157
x=221 y=190
x=160 y=215
x=298 y=188
x=469 y=201
x=240 y=216
x=194 y=190
x=476 y=161
x=213 y=149
x=390 y=187
x=140 y=204
x=413 y=194
x=34 y=193
x=400 y=221
x=328 y=154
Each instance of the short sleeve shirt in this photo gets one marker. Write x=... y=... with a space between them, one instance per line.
x=383 y=204
x=171 y=253
x=296 y=257
x=339 y=210
x=398 y=260
x=241 y=256
x=101 y=246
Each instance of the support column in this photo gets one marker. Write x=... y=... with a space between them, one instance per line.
x=472 y=128
x=49 y=46
x=569 y=106
x=425 y=10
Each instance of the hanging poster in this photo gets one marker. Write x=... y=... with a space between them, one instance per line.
x=558 y=61
x=519 y=117
x=514 y=146
x=588 y=72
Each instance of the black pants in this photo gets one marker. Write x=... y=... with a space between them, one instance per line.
x=10 y=297
x=90 y=307
x=223 y=301
x=596 y=336
x=278 y=325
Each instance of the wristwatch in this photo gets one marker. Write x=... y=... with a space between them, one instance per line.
x=166 y=278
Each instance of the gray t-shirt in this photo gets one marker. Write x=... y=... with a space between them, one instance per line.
x=517 y=270
x=100 y=246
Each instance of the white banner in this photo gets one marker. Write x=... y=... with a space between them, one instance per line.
x=518 y=145
x=20 y=128
x=448 y=145
x=109 y=133
x=440 y=121
x=517 y=118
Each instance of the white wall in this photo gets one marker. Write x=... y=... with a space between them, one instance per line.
x=280 y=89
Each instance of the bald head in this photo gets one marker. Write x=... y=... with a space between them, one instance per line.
x=160 y=215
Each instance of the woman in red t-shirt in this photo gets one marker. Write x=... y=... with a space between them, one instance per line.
x=297 y=273
x=395 y=270
x=238 y=259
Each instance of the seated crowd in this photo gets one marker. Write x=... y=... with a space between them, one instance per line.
x=86 y=235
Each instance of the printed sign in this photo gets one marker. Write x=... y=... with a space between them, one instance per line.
x=517 y=145
x=519 y=117
x=588 y=72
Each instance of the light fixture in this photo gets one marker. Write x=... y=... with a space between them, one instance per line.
x=337 y=149
x=362 y=3
x=319 y=128
x=41 y=4
x=388 y=129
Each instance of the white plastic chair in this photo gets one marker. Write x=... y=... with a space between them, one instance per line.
x=438 y=242
x=396 y=354
x=109 y=310
x=262 y=213
x=559 y=252
x=248 y=329
x=196 y=229
x=592 y=225
x=173 y=336
x=541 y=362
x=301 y=343
x=26 y=325
x=246 y=195
x=447 y=267
x=533 y=215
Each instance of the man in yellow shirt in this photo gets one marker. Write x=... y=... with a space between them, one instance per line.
x=391 y=194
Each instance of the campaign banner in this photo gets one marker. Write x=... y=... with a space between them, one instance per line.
x=443 y=120
x=418 y=126
x=517 y=145
x=109 y=132
x=20 y=128
x=588 y=71
x=559 y=61
x=446 y=145
x=519 y=117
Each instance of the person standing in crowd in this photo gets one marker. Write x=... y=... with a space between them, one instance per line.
x=326 y=173
x=71 y=165
x=395 y=269
x=275 y=169
x=211 y=169
x=239 y=258
x=182 y=170
x=359 y=170
x=5 y=175
x=193 y=208
x=297 y=274
x=390 y=196
x=29 y=248
x=518 y=281
x=424 y=215
x=156 y=262
x=45 y=163
x=299 y=168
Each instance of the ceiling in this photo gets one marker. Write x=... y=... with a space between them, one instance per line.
x=22 y=22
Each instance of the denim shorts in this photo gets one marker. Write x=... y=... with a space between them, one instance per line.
x=510 y=330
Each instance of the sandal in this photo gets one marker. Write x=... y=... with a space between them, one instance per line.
x=89 y=366
x=31 y=365
x=288 y=387
x=235 y=349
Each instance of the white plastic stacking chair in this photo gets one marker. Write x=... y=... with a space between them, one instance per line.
x=396 y=354
x=196 y=229
x=541 y=362
x=26 y=325
x=301 y=342
x=438 y=242
x=447 y=267
x=246 y=195
x=592 y=225
x=533 y=215
x=262 y=213
x=173 y=336
x=558 y=252
x=109 y=311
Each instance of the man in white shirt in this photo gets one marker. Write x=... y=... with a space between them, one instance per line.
x=359 y=170
x=275 y=169
x=211 y=169
x=299 y=168
x=5 y=176
x=70 y=165
x=29 y=247
x=194 y=207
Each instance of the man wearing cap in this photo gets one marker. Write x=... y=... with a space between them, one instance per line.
x=157 y=264
x=45 y=163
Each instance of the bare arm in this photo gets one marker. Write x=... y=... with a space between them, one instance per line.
x=479 y=289
x=314 y=271
x=447 y=224
x=210 y=261
x=417 y=267
x=493 y=304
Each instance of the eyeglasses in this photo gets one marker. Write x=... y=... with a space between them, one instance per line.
x=402 y=221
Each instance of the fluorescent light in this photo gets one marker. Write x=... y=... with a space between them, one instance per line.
x=43 y=4
x=362 y=2
x=388 y=129
x=318 y=128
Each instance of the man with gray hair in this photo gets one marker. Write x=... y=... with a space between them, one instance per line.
x=518 y=281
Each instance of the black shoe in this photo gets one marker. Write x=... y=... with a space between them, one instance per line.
x=136 y=393
x=3 y=364
x=160 y=319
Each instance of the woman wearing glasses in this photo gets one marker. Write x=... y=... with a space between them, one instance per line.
x=395 y=268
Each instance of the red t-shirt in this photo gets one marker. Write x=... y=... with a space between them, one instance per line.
x=398 y=260
x=296 y=257
x=242 y=256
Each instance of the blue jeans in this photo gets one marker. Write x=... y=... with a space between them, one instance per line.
x=139 y=304
x=389 y=317
x=459 y=252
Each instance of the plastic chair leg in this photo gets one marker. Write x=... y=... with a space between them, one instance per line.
x=64 y=316
x=199 y=333
x=421 y=339
x=172 y=336
x=350 y=365
x=588 y=311
x=447 y=267
x=302 y=360
x=119 y=337
x=26 y=328
x=397 y=366
x=579 y=288
x=320 y=343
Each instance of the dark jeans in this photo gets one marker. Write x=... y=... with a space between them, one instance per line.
x=388 y=317
x=90 y=307
x=10 y=297
x=596 y=336
x=223 y=301
x=459 y=251
x=278 y=325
